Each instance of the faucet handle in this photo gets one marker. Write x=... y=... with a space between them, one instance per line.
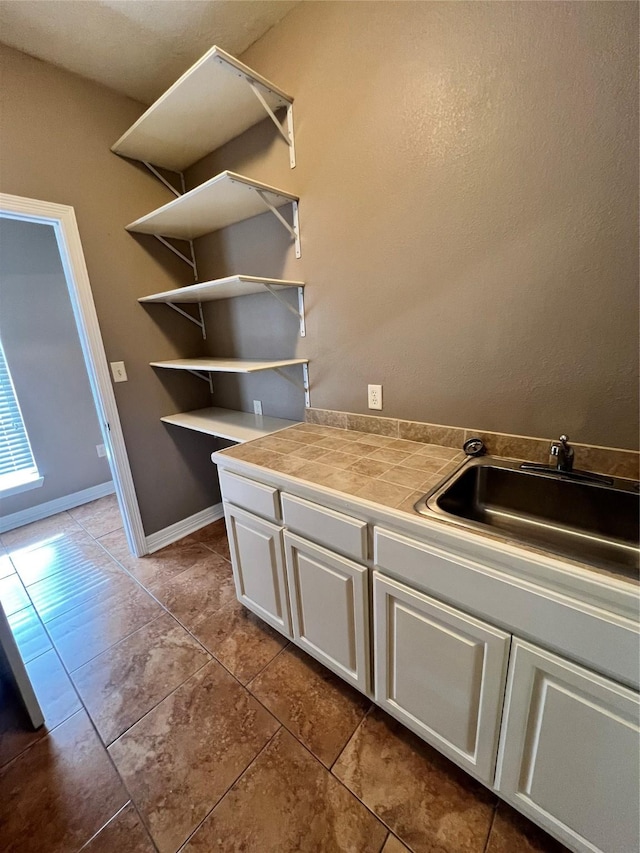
x=561 y=454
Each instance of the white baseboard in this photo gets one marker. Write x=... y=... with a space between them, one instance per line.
x=183 y=528
x=35 y=513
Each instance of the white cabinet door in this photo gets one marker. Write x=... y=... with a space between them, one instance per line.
x=441 y=673
x=330 y=609
x=258 y=566
x=569 y=752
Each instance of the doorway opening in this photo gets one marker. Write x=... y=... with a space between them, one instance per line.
x=110 y=440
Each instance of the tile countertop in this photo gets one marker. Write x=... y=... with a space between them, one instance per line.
x=389 y=471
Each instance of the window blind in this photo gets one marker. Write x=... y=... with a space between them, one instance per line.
x=16 y=458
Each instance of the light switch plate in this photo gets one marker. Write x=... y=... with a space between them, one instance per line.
x=118 y=371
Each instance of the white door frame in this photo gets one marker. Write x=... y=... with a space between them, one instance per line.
x=63 y=219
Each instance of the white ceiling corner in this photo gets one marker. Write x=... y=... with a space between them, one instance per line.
x=136 y=47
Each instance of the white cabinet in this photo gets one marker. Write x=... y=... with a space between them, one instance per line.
x=569 y=752
x=258 y=566
x=441 y=673
x=563 y=747
x=330 y=609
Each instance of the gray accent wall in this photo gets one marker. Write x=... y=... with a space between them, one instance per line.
x=468 y=175
x=42 y=348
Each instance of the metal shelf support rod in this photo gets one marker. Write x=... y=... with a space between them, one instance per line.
x=303 y=386
x=286 y=134
x=206 y=377
x=299 y=313
x=198 y=322
x=164 y=181
x=177 y=252
x=293 y=230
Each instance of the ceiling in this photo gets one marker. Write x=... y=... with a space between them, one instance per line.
x=137 y=47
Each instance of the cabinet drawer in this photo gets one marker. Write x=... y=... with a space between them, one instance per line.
x=569 y=751
x=330 y=609
x=325 y=526
x=245 y=493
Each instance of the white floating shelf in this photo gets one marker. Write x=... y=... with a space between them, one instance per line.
x=223 y=200
x=227 y=365
x=226 y=423
x=221 y=288
x=210 y=104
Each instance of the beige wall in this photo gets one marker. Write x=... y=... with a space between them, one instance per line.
x=56 y=130
x=468 y=175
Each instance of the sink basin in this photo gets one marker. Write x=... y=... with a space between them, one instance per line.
x=593 y=522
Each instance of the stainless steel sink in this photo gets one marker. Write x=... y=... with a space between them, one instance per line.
x=594 y=522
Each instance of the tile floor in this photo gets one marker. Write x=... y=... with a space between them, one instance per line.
x=176 y=720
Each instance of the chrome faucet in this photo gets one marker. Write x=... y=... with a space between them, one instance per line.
x=561 y=454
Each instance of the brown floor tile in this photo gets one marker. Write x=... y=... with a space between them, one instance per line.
x=13 y=595
x=214 y=536
x=154 y=569
x=513 y=833
x=86 y=631
x=429 y=803
x=179 y=760
x=129 y=679
x=392 y=845
x=287 y=802
x=199 y=591
x=98 y=517
x=29 y=634
x=39 y=532
x=241 y=642
x=123 y=834
x=57 y=699
x=60 y=792
x=66 y=590
x=66 y=553
x=315 y=705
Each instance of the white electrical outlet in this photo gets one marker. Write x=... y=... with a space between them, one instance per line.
x=375 y=396
x=102 y=450
x=257 y=407
x=118 y=371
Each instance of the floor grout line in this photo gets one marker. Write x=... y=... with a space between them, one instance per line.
x=493 y=820
x=235 y=781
